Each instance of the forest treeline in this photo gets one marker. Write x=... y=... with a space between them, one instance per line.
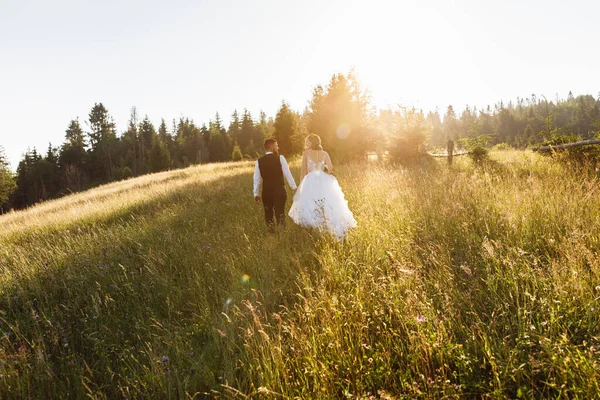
x=95 y=152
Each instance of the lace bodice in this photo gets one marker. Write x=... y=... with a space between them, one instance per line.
x=315 y=160
x=315 y=166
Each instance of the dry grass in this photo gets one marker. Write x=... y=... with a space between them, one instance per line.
x=462 y=282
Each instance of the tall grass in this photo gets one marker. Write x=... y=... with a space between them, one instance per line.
x=458 y=282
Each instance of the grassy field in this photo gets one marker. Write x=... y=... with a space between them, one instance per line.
x=458 y=282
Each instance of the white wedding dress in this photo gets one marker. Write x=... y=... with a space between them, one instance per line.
x=319 y=202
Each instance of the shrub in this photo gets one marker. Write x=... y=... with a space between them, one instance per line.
x=408 y=145
x=476 y=147
x=237 y=153
x=126 y=173
x=502 y=146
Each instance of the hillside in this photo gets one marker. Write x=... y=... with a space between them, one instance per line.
x=462 y=282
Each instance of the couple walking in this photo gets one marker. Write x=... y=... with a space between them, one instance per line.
x=318 y=202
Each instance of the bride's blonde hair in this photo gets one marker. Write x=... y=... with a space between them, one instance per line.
x=315 y=142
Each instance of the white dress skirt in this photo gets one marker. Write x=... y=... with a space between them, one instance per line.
x=319 y=203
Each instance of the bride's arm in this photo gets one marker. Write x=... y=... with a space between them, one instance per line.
x=304 y=169
x=328 y=163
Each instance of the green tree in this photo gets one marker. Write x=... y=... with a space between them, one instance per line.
x=437 y=129
x=130 y=144
x=251 y=150
x=218 y=146
x=205 y=135
x=263 y=129
x=192 y=144
x=339 y=114
x=147 y=132
x=469 y=123
x=286 y=130
x=159 y=157
x=169 y=141
x=410 y=136
x=126 y=173
x=451 y=125
x=247 y=130
x=50 y=174
x=29 y=180
x=7 y=181
x=236 y=155
x=72 y=158
x=528 y=134
x=235 y=127
x=103 y=144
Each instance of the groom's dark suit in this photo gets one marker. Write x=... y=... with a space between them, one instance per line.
x=270 y=169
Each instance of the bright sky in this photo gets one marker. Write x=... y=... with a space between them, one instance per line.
x=193 y=58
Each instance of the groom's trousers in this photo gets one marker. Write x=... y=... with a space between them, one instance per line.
x=274 y=204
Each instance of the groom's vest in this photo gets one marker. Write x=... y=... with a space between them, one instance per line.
x=272 y=175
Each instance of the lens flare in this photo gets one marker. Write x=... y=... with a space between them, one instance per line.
x=245 y=278
x=343 y=131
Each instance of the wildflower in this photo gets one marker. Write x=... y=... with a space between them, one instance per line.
x=164 y=359
x=421 y=318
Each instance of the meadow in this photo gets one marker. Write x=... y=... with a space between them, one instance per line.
x=470 y=281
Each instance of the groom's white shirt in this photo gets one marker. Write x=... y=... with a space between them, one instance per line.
x=284 y=168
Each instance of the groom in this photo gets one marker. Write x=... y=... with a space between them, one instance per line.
x=270 y=170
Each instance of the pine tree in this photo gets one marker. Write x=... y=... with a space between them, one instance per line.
x=247 y=130
x=103 y=143
x=191 y=141
x=29 y=180
x=146 y=137
x=169 y=141
x=235 y=127
x=237 y=153
x=159 y=157
x=205 y=135
x=410 y=136
x=163 y=134
x=217 y=146
x=131 y=143
x=7 y=182
x=251 y=150
x=286 y=129
x=339 y=114
x=50 y=174
x=451 y=126
x=529 y=133
x=262 y=131
x=437 y=129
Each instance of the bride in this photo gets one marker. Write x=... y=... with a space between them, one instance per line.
x=319 y=201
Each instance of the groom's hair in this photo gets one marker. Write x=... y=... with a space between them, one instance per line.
x=269 y=143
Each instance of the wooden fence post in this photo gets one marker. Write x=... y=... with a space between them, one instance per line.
x=450 y=148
